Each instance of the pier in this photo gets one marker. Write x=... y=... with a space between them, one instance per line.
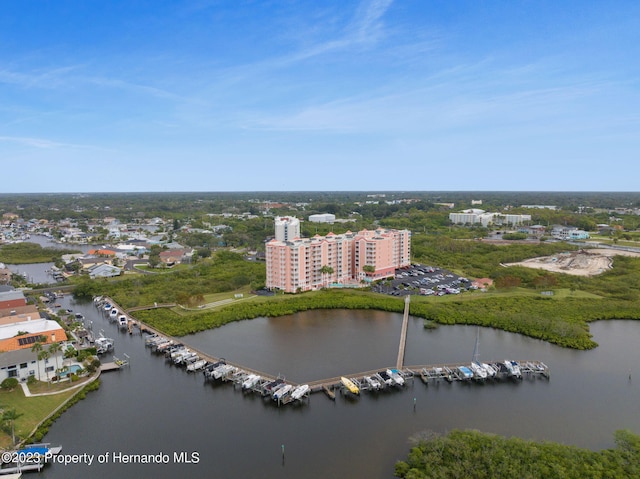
x=285 y=392
x=403 y=332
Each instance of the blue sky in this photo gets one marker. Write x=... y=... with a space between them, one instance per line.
x=333 y=95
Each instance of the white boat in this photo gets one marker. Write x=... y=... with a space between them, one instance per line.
x=185 y=358
x=478 y=371
x=491 y=371
x=103 y=345
x=223 y=371
x=107 y=306
x=114 y=313
x=394 y=374
x=280 y=393
x=122 y=322
x=372 y=382
x=516 y=369
x=300 y=391
x=197 y=365
x=513 y=368
x=250 y=381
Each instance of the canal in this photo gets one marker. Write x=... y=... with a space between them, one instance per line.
x=153 y=408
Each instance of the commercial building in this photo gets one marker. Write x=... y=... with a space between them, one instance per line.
x=476 y=216
x=323 y=218
x=305 y=264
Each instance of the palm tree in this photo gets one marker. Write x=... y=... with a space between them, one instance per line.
x=325 y=270
x=10 y=415
x=44 y=355
x=37 y=348
x=54 y=349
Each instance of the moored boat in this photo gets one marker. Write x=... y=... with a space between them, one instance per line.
x=396 y=377
x=300 y=391
x=350 y=385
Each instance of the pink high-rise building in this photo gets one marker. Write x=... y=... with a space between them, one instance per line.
x=305 y=264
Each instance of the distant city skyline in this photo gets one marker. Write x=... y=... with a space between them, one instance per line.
x=376 y=95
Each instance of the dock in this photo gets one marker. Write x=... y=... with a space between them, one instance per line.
x=106 y=367
x=283 y=392
x=403 y=333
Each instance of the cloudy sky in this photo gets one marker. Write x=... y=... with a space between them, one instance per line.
x=204 y=95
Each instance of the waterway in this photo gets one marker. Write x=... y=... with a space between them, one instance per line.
x=154 y=408
x=39 y=273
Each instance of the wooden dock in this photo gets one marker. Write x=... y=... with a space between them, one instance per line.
x=106 y=367
x=428 y=373
x=403 y=333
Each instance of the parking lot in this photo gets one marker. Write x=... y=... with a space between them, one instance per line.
x=424 y=280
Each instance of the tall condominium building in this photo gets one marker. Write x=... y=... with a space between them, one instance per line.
x=311 y=263
x=287 y=228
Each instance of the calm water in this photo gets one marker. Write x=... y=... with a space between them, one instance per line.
x=155 y=408
x=39 y=272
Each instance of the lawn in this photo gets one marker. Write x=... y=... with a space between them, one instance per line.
x=33 y=410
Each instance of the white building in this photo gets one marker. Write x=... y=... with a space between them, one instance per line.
x=476 y=216
x=287 y=228
x=323 y=218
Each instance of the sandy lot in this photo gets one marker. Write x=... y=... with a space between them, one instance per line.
x=581 y=263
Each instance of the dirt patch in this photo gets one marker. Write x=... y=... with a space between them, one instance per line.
x=580 y=263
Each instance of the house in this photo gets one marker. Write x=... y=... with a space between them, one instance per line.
x=12 y=299
x=176 y=256
x=16 y=341
x=104 y=271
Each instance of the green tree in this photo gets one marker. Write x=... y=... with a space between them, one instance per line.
x=37 y=348
x=9 y=416
x=44 y=355
x=54 y=349
x=326 y=271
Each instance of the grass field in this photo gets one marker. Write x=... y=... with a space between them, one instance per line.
x=33 y=410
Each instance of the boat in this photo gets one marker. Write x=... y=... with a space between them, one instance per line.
x=107 y=306
x=372 y=383
x=350 y=385
x=113 y=314
x=197 y=365
x=300 y=391
x=280 y=393
x=30 y=458
x=122 y=322
x=103 y=345
x=491 y=371
x=478 y=371
x=222 y=371
x=208 y=370
x=268 y=388
x=464 y=373
x=515 y=368
x=386 y=379
x=395 y=376
x=250 y=381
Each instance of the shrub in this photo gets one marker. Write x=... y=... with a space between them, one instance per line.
x=9 y=384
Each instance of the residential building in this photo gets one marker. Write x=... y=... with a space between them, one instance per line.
x=16 y=340
x=12 y=299
x=287 y=228
x=305 y=264
x=103 y=271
